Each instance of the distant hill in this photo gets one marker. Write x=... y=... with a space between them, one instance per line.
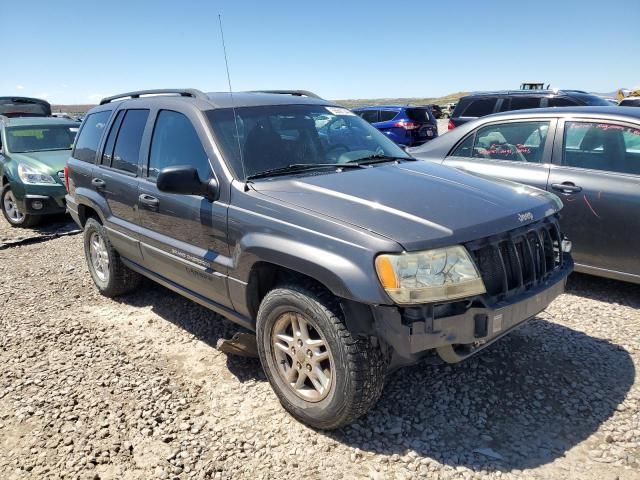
x=349 y=103
x=71 y=109
x=352 y=103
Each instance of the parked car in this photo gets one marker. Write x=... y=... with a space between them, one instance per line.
x=345 y=255
x=589 y=156
x=630 y=102
x=33 y=153
x=405 y=125
x=480 y=104
x=436 y=110
x=24 y=107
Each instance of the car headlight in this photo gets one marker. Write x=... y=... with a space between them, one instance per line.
x=31 y=176
x=429 y=276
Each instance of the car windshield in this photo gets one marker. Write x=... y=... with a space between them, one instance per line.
x=40 y=138
x=276 y=136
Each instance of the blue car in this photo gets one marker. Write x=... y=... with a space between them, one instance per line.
x=405 y=125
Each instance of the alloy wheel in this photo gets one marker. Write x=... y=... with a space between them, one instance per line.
x=303 y=357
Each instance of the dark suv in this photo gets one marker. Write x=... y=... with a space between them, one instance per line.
x=480 y=104
x=405 y=125
x=298 y=220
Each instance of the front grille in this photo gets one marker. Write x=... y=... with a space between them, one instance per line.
x=519 y=259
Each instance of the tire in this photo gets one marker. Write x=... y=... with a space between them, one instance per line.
x=109 y=274
x=11 y=212
x=354 y=371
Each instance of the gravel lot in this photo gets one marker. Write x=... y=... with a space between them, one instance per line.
x=134 y=388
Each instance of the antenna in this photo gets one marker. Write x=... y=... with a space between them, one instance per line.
x=233 y=105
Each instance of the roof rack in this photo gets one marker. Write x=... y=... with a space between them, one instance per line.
x=295 y=93
x=183 y=92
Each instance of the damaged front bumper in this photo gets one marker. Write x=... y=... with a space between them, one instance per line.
x=461 y=329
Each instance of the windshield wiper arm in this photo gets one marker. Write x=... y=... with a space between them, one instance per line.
x=377 y=158
x=300 y=167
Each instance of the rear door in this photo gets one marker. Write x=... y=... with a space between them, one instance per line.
x=116 y=179
x=517 y=150
x=184 y=237
x=596 y=173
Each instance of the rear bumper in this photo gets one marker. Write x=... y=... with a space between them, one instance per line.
x=456 y=337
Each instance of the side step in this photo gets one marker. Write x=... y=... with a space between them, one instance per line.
x=243 y=344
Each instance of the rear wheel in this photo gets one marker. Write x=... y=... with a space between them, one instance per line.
x=12 y=213
x=322 y=374
x=109 y=274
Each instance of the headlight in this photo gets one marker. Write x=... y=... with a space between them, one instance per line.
x=32 y=176
x=429 y=276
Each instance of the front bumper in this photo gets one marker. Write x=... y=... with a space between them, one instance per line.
x=458 y=336
x=50 y=198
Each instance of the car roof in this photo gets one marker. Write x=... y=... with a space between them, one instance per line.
x=388 y=107
x=613 y=110
x=33 y=121
x=213 y=100
x=576 y=93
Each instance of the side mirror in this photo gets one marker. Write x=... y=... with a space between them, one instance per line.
x=185 y=180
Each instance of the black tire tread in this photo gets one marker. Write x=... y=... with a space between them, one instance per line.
x=29 y=220
x=122 y=279
x=366 y=363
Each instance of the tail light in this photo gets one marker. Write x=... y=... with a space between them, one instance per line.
x=451 y=125
x=406 y=125
x=66 y=177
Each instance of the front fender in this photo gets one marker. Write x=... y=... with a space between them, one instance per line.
x=349 y=275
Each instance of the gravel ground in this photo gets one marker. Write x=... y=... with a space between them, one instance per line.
x=134 y=389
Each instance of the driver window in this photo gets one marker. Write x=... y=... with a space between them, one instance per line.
x=514 y=142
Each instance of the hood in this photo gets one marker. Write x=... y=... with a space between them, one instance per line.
x=47 y=162
x=418 y=204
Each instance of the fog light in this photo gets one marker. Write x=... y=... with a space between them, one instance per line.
x=566 y=246
x=37 y=204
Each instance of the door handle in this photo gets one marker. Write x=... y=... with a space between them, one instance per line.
x=98 y=183
x=148 y=200
x=566 y=187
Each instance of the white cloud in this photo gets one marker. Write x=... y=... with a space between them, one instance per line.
x=19 y=87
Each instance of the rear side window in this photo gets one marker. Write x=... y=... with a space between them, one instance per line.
x=175 y=142
x=421 y=115
x=515 y=141
x=90 y=134
x=480 y=107
x=370 y=116
x=630 y=102
x=126 y=152
x=520 y=103
x=562 y=102
x=386 y=115
x=107 y=153
x=602 y=146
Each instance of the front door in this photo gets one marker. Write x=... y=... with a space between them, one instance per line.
x=184 y=237
x=596 y=173
x=516 y=150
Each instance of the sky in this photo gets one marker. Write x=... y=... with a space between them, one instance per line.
x=77 y=52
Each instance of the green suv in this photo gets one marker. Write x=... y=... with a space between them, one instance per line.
x=33 y=154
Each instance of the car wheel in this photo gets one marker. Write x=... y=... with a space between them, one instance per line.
x=322 y=374
x=109 y=274
x=11 y=212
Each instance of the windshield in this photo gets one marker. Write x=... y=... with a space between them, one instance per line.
x=40 y=139
x=276 y=136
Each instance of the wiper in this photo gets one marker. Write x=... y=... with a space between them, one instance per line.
x=377 y=158
x=300 y=167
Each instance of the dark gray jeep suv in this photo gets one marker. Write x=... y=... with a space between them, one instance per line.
x=298 y=220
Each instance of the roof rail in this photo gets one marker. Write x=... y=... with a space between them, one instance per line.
x=183 y=92
x=295 y=93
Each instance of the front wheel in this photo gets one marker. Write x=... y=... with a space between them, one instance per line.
x=12 y=213
x=322 y=374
